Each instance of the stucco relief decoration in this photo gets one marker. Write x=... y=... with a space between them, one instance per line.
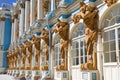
x=89 y=14
x=45 y=36
x=62 y=28
x=36 y=42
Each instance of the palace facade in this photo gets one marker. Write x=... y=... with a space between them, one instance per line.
x=64 y=40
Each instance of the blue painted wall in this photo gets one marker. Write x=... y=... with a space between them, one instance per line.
x=4 y=65
x=68 y=1
x=7 y=33
x=7 y=40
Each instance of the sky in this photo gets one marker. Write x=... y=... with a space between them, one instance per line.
x=7 y=1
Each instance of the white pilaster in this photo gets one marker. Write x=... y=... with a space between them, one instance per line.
x=12 y=32
x=33 y=11
x=22 y=21
x=27 y=14
x=15 y=29
x=40 y=9
x=2 y=31
x=52 y=5
x=100 y=57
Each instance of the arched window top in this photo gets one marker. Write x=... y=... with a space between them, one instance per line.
x=111 y=16
x=79 y=30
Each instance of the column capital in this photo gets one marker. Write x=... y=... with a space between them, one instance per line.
x=2 y=18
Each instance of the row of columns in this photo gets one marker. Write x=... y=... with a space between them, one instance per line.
x=30 y=11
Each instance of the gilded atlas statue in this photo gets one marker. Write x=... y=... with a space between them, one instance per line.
x=29 y=54
x=62 y=28
x=9 y=60
x=17 y=52
x=90 y=17
x=45 y=36
x=36 y=42
x=14 y=59
x=23 y=49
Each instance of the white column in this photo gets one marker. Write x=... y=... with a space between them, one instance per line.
x=2 y=30
x=12 y=32
x=22 y=21
x=15 y=27
x=100 y=57
x=40 y=9
x=33 y=11
x=27 y=14
x=52 y=5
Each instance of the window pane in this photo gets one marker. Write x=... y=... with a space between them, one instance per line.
x=85 y=59
x=119 y=33
x=77 y=52
x=118 y=19
x=81 y=52
x=81 y=60
x=77 y=61
x=81 y=43
x=112 y=34
x=106 y=36
x=113 y=57
x=106 y=47
x=119 y=44
x=112 y=46
x=119 y=56
x=73 y=61
x=106 y=57
x=112 y=22
x=77 y=44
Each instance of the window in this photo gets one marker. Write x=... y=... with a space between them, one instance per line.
x=43 y=56
x=58 y=58
x=111 y=36
x=79 y=54
x=119 y=42
x=112 y=17
x=109 y=46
